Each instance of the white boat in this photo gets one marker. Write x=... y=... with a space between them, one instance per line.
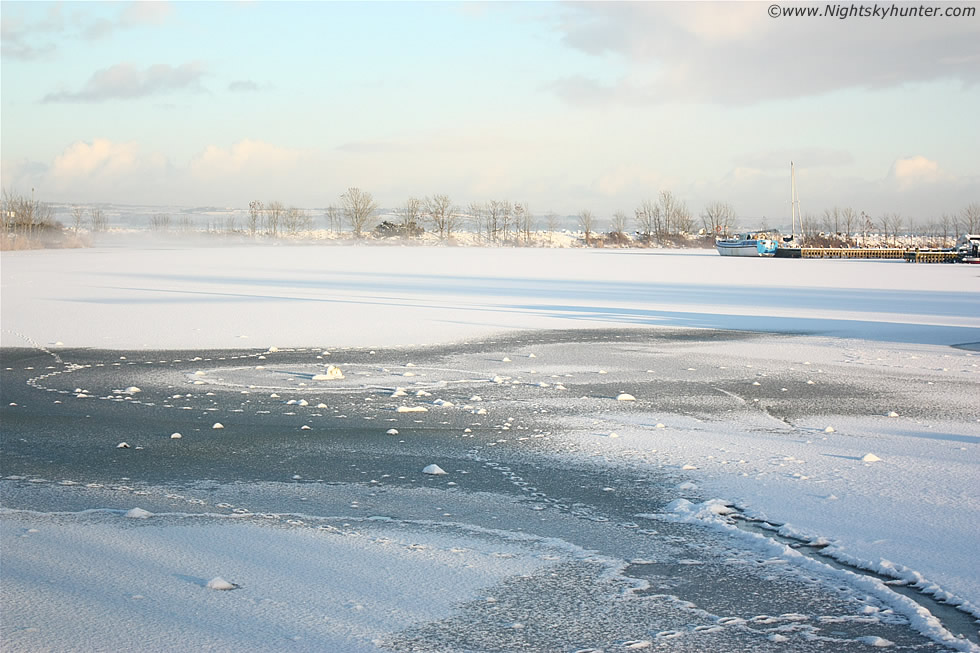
x=967 y=248
x=763 y=244
x=746 y=245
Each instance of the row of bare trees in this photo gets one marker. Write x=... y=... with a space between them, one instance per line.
x=29 y=223
x=661 y=220
x=845 y=226
x=276 y=219
x=25 y=216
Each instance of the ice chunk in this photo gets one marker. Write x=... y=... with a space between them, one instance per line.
x=218 y=425
x=175 y=436
x=873 y=640
x=332 y=373
x=870 y=458
x=219 y=583
x=433 y=470
x=138 y=513
x=625 y=396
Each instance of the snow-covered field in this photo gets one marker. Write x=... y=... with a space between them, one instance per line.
x=846 y=359
x=373 y=296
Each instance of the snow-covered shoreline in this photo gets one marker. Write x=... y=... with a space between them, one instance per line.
x=253 y=297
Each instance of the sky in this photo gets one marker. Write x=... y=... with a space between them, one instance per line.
x=564 y=106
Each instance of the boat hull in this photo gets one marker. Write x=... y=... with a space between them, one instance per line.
x=746 y=248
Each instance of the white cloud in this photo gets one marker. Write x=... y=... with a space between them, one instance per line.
x=98 y=158
x=915 y=171
x=246 y=157
x=243 y=86
x=734 y=53
x=22 y=41
x=133 y=14
x=126 y=81
x=102 y=170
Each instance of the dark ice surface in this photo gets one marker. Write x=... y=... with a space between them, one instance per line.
x=651 y=584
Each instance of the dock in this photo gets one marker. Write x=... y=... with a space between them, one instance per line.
x=910 y=255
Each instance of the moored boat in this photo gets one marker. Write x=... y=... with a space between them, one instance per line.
x=967 y=248
x=746 y=245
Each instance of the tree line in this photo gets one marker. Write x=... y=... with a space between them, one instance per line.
x=846 y=227
x=660 y=221
x=26 y=222
x=495 y=221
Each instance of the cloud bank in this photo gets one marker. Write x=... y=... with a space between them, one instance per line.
x=735 y=54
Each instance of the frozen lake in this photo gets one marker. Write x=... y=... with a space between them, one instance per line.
x=570 y=517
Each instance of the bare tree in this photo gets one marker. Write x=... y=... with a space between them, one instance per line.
x=505 y=214
x=832 y=219
x=586 y=221
x=292 y=220
x=683 y=220
x=27 y=217
x=618 y=223
x=160 y=222
x=551 y=219
x=647 y=218
x=478 y=215
x=867 y=225
x=273 y=217
x=849 y=219
x=497 y=218
x=411 y=216
x=358 y=206
x=946 y=222
x=809 y=225
x=332 y=213
x=254 y=219
x=970 y=218
x=718 y=218
x=891 y=224
x=100 y=222
x=443 y=214
x=77 y=218
x=523 y=222
x=668 y=205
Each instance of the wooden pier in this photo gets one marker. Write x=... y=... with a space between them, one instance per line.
x=895 y=253
x=931 y=256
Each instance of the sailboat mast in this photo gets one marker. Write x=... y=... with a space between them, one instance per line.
x=795 y=201
x=792 y=199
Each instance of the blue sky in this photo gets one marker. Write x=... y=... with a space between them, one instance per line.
x=565 y=106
